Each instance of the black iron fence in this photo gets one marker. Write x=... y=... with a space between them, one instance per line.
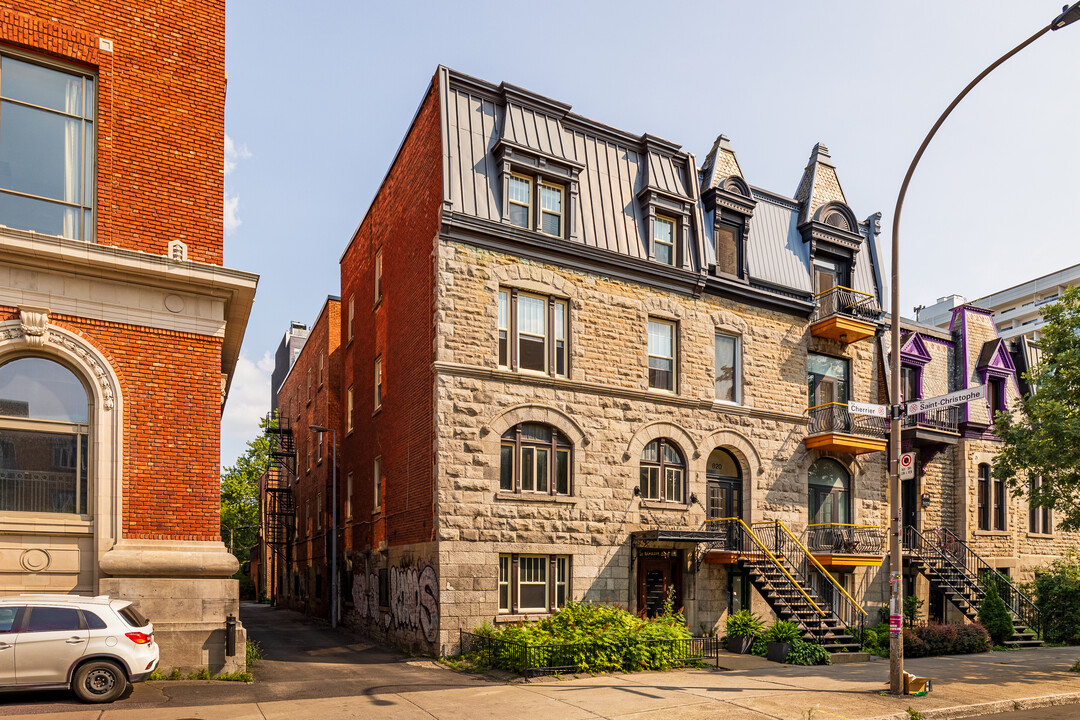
x=942 y=419
x=845 y=539
x=596 y=655
x=845 y=301
x=835 y=418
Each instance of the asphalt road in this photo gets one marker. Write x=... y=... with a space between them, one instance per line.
x=1061 y=712
x=301 y=660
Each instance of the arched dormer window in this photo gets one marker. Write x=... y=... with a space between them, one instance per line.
x=44 y=438
x=535 y=458
x=663 y=472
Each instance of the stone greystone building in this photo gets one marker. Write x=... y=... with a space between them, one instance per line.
x=583 y=347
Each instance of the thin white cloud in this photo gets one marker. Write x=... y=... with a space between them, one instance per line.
x=249 y=401
x=231 y=218
x=233 y=154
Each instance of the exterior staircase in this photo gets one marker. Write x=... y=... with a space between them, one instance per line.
x=279 y=522
x=953 y=568
x=794 y=584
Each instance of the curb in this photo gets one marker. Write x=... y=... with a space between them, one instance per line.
x=989 y=708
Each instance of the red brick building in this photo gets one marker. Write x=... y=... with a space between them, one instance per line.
x=119 y=327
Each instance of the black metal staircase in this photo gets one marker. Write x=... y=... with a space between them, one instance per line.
x=280 y=504
x=951 y=566
x=796 y=587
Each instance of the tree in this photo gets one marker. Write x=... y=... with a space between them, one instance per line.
x=240 y=495
x=994 y=615
x=1042 y=436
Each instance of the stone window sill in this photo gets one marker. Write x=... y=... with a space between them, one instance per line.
x=520 y=617
x=992 y=533
x=663 y=505
x=1040 y=536
x=507 y=496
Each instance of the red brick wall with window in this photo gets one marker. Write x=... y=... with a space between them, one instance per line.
x=403 y=222
x=160 y=112
x=171 y=386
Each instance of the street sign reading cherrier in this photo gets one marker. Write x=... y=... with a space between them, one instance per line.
x=943 y=401
x=858 y=408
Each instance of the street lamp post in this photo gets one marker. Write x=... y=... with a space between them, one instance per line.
x=333 y=528
x=1068 y=16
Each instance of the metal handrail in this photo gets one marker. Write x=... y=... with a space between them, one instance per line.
x=847 y=538
x=916 y=542
x=835 y=417
x=738 y=522
x=943 y=419
x=840 y=300
x=814 y=576
x=1021 y=606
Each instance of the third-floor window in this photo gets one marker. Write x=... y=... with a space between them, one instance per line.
x=533 y=332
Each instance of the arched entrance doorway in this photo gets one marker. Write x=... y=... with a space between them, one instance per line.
x=723 y=478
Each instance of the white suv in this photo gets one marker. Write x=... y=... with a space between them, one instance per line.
x=93 y=645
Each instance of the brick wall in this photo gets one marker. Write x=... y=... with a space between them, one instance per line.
x=402 y=222
x=160 y=112
x=170 y=383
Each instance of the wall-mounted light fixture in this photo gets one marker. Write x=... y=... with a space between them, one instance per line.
x=925 y=500
x=637 y=491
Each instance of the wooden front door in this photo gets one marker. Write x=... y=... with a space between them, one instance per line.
x=659 y=572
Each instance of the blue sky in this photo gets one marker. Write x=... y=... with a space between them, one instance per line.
x=321 y=93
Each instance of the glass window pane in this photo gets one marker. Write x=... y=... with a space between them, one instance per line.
x=41 y=86
x=532 y=315
x=562 y=472
x=660 y=374
x=7 y=617
x=673 y=491
x=663 y=230
x=532 y=353
x=663 y=254
x=528 y=468
x=829 y=474
x=671 y=454
x=506 y=468
x=727 y=250
x=519 y=215
x=536 y=432
x=560 y=320
x=726 y=367
x=41 y=216
x=533 y=597
x=651 y=452
x=42 y=389
x=47 y=619
x=504 y=310
x=551 y=199
x=542 y=470
x=661 y=339
x=551 y=224
x=41 y=153
x=519 y=190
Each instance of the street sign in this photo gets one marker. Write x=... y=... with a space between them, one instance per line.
x=907 y=466
x=943 y=401
x=858 y=408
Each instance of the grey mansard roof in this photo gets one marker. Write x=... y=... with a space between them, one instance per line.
x=610 y=171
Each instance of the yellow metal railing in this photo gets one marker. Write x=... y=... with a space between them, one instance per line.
x=815 y=562
x=769 y=554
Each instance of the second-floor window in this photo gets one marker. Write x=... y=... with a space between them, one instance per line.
x=663 y=471
x=662 y=354
x=532 y=332
x=827 y=379
x=535 y=458
x=376 y=483
x=727 y=368
x=47 y=170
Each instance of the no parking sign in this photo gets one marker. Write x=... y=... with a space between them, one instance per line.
x=907 y=466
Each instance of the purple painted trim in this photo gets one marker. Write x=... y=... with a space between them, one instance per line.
x=976 y=308
x=914 y=351
x=964 y=377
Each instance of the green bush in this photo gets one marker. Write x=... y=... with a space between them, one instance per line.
x=804 y=653
x=783 y=631
x=589 y=636
x=994 y=615
x=744 y=623
x=874 y=639
x=760 y=647
x=937 y=639
x=1057 y=593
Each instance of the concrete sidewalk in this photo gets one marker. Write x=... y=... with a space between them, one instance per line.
x=372 y=683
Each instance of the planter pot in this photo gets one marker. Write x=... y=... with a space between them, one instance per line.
x=740 y=644
x=777 y=651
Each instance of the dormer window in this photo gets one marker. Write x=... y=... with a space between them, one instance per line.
x=664 y=240
x=520 y=201
x=729 y=244
x=551 y=209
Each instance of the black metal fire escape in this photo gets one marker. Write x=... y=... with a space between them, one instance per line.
x=280 y=504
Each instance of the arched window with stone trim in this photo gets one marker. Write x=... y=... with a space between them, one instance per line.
x=830 y=492
x=535 y=458
x=663 y=472
x=44 y=438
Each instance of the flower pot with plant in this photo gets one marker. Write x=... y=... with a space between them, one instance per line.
x=781 y=636
x=743 y=627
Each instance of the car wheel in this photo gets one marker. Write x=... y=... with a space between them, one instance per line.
x=99 y=682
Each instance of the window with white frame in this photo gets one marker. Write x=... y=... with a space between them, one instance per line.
x=378 y=382
x=663 y=472
x=520 y=201
x=535 y=458
x=47 y=147
x=378 y=277
x=533 y=331
x=376 y=482
x=551 y=209
x=349 y=409
x=662 y=354
x=533 y=583
x=728 y=360
x=664 y=239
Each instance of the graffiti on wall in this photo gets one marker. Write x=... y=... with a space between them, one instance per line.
x=413 y=598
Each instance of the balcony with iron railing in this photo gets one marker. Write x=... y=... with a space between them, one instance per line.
x=833 y=427
x=940 y=426
x=846 y=544
x=844 y=314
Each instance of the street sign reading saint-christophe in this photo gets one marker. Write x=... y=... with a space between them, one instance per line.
x=943 y=401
